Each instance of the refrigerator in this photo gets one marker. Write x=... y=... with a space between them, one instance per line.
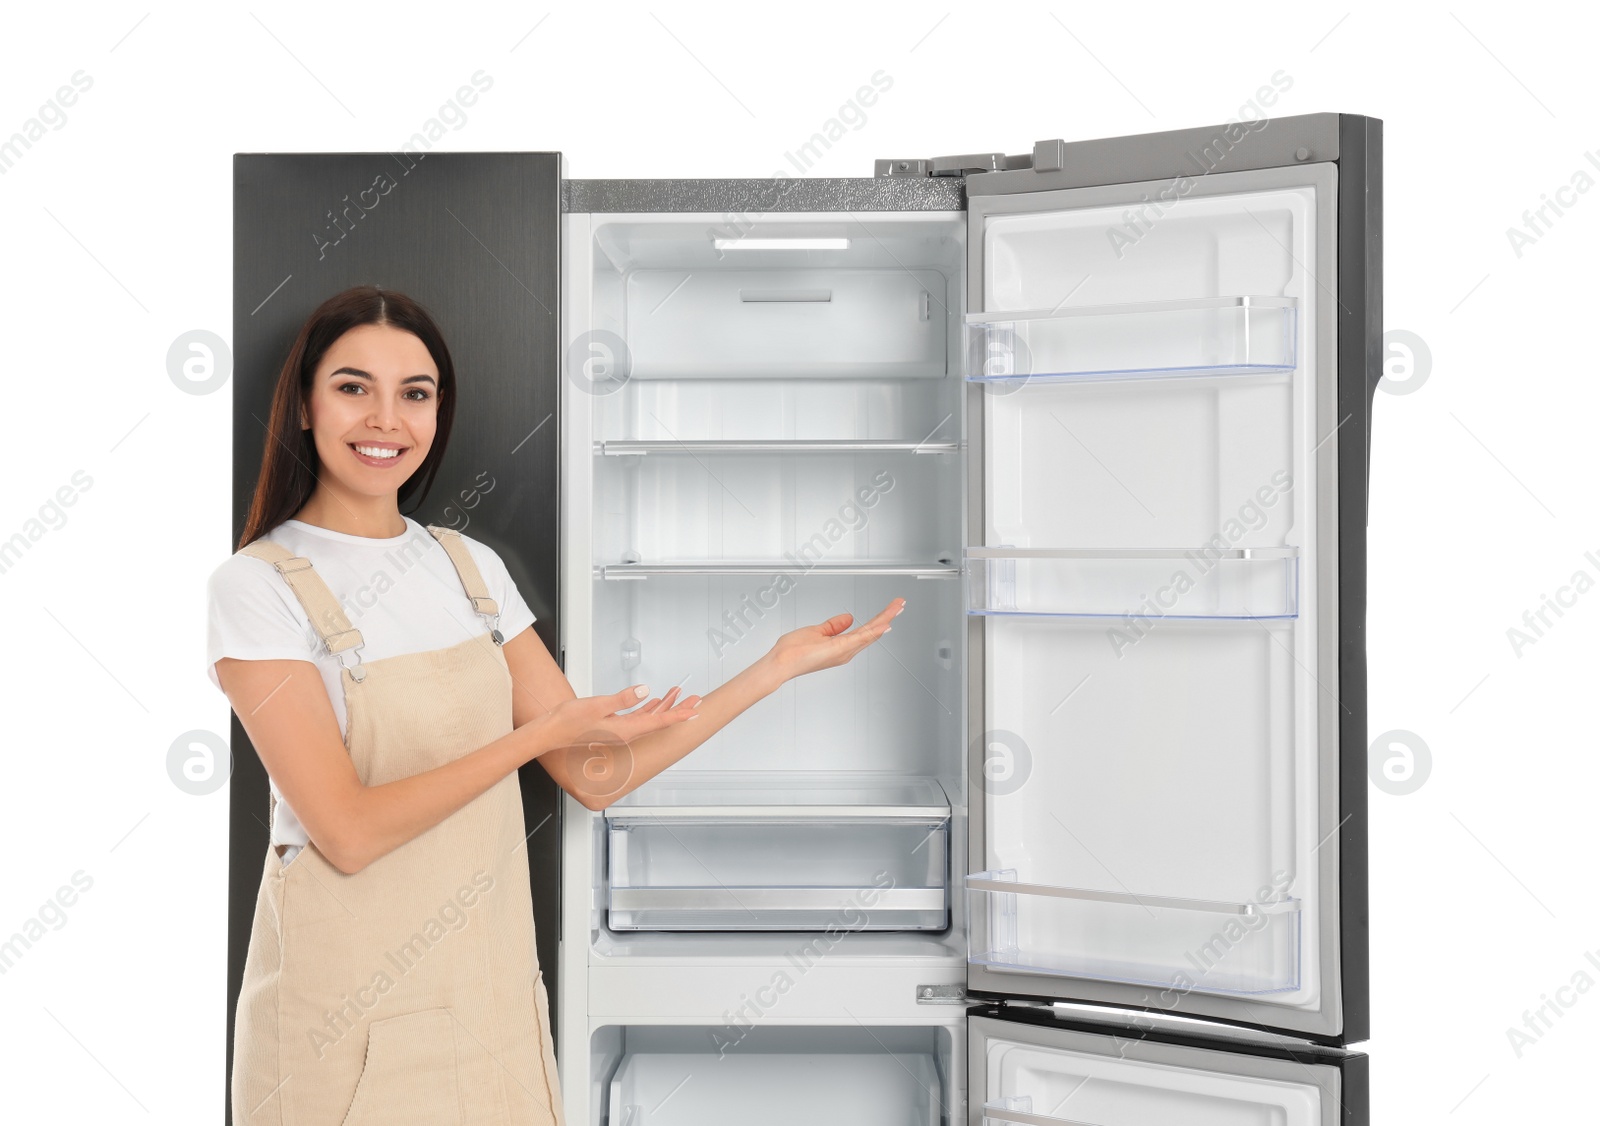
x=1082 y=840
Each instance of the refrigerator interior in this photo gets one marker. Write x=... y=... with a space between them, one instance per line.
x=771 y=433
x=1148 y=633
x=778 y=440
x=794 y=1075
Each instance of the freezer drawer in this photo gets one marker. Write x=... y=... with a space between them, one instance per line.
x=1043 y=1072
x=779 y=851
x=776 y=1075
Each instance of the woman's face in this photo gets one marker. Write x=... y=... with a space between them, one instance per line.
x=376 y=390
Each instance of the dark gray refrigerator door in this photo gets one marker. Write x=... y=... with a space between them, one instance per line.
x=475 y=238
x=1172 y=346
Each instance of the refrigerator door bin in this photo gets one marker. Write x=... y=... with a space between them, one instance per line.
x=778 y=1075
x=1142 y=339
x=730 y=851
x=1240 y=948
x=1247 y=583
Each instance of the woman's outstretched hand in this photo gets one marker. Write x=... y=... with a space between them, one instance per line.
x=828 y=645
x=602 y=719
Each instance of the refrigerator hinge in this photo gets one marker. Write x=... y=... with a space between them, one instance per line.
x=943 y=995
x=1047 y=156
x=1016 y=1003
x=943 y=165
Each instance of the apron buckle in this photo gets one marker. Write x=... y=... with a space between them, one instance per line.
x=357 y=671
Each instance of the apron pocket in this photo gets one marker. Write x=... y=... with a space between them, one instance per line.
x=409 y=1077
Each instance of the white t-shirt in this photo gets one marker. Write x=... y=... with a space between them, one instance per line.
x=403 y=593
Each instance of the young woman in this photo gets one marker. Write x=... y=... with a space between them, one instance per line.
x=386 y=675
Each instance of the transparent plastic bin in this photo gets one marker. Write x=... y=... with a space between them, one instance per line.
x=1248 y=947
x=777 y=1075
x=1234 y=335
x=779 y=851
x=1244 y=583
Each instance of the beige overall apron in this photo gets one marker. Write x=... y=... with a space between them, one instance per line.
x=409 y=992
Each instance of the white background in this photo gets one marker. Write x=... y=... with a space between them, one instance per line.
x=117 y=232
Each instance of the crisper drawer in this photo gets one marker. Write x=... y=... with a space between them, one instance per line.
x=777 y=1075
x=737 y=851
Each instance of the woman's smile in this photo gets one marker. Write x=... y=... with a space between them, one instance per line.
x=383 y=455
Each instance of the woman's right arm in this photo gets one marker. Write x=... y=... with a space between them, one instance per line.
x=284 y=707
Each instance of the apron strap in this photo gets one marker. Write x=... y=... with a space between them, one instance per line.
x=327 y=618
x=471 y=577
x=321 y=607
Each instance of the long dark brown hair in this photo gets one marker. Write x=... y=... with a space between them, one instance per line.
x=289 y=463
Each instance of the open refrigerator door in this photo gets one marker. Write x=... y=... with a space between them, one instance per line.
x=1170 y=386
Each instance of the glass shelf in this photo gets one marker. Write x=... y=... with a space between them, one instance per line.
x=629 y=446
x=1254 y=583
x=698 y=795
x=791 y=851
x=778 y=567
x=1214 y=946
x=1201 y=336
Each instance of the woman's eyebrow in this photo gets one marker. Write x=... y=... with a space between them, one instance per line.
x=368 y=375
